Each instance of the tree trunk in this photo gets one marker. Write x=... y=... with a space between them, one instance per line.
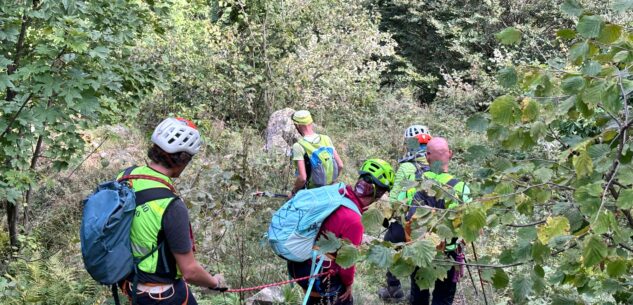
x=12 y=220
x=29 y=192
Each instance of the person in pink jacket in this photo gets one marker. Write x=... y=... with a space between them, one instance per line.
x=376 y=178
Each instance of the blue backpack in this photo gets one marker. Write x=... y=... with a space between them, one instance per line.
x=295 y=226
x=105 y=228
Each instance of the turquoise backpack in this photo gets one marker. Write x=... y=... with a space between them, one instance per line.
x=295 y=226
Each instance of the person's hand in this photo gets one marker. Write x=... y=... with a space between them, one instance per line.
x=347 y=294
x=290 y=195
x=221 y=283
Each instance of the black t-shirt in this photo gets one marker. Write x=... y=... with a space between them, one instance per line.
x=177 y=238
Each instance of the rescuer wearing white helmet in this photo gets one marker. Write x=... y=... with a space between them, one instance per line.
x=411 y=166
x=161 y=235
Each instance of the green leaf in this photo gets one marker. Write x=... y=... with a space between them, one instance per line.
x=426 y=277
x=622 y=5
x=4 y=62
x=5 y=81
x=347 y=256
x=625 y=176
x=590 y=26
x=589 y=202
x=610 y=33
x=521 y=288
x=504 y=110
x=553 y=227
x=507 y=77
x=564 y=300
x=328 y=243
x=497 y=133
x=567 y=104
x=380 y=256
x=444 y=231
x=583 y=164
x=571 y=7
x=621 y=56
x=402 y=267
x=612 y=100
x=566 y=34
x=617 y=268
x=529 y=110
x=420 y=252
x=477 y=122
x=573 y=84
x=591 y=68
x=540 y=252
x=604 y=222
x=473 y=220
x=594 y=251
x=100 y=52
x=578 y=52
x=372 y=219
x=509 y=36
x=500 y=279
x=477 y=152
x=625 y=200
x=593 y=94
x=543 y=174
x=598 y=151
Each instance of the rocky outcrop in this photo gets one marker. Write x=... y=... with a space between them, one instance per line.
x=280 y=132
x=266 y=296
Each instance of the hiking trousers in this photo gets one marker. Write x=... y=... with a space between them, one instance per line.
x=395 y=234
x=330 y=286
x=443 y=293
x=178 y=294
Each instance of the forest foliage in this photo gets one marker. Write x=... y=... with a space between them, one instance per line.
x=534 y=96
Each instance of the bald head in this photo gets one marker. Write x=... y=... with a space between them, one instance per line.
x=437 y=150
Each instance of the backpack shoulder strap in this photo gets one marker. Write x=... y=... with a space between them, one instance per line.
x=148 y=177
x=307 y=146
x=420 y=169
x=129 y=170
x=453 y=182
x=152 y=194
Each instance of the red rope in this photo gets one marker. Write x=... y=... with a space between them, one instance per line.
x=328 y=273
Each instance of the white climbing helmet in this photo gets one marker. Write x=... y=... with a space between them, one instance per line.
x=177 y=135
x=415 y=130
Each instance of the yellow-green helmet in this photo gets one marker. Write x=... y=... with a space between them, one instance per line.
x=380 y=171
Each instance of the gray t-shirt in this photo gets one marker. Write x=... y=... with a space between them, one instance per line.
x=177 y=236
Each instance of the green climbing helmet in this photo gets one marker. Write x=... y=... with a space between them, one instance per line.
x=380 y=171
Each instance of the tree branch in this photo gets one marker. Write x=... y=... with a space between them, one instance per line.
x=625 y=247
x=527 y=224
x=451 y=262
x=15 y=116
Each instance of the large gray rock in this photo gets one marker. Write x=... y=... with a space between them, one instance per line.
x=266 y=296
x=281 y=132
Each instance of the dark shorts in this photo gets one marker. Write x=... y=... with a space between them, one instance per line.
x=179 y=294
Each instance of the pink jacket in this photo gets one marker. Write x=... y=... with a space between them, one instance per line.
x=345 y=224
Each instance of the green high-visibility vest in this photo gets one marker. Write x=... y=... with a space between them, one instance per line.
x=147 y=222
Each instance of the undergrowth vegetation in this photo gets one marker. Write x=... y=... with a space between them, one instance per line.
x=533 y=96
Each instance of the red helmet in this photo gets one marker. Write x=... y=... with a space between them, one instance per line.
x=423 y=138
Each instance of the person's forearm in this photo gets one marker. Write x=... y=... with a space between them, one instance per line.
x=200 y=277
x=299 y=184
